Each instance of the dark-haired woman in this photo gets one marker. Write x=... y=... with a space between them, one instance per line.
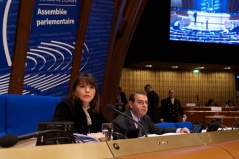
x=82 y=106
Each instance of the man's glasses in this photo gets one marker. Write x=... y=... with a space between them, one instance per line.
x=140 y=102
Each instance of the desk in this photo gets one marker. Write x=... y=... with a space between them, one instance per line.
x=227 y=108
x=234 y=114
x=213 y=145
x=227 y=120
x=230 y=146
x=63 y=151
x=196 y=152
x=195 y=116
x=211 y=113
x=188 y=108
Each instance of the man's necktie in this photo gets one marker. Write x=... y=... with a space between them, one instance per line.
x=140 y=129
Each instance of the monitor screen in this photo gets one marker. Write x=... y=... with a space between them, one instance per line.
x=51 y=133
x=204 y=21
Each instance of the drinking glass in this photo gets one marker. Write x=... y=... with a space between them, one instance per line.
x=106 y=127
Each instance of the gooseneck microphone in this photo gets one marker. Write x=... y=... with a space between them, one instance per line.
x=111 y=108
x=214 y=126
x=198 y=101
x=10 y=140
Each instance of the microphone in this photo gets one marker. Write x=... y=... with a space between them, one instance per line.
x=198 y=101
x=111 y=108
x=10 y=140
x=210 y=127
x=213 y=126
x=235 y=123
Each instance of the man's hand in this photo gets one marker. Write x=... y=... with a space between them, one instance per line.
x=185 y=130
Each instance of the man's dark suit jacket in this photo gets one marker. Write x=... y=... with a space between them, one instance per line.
x=169 y=111
x=153 y=111
x=123 y=125
x=123 y=100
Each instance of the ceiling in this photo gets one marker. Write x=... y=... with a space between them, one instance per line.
x=150 y=45
x=181 y=65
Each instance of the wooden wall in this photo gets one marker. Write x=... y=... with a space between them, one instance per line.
x=218 y=85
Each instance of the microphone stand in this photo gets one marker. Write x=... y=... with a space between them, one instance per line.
x=109 y=132
x=10 y=140
x=198 y=101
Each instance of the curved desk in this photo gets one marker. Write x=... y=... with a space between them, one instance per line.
x=213 y=145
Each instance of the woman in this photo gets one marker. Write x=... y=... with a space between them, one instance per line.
x=82 y=106
x=211 y=102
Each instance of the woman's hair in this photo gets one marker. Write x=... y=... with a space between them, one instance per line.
x=86 y=78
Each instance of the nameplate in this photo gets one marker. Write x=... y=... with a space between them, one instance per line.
x=190 y=104
x=216 y=108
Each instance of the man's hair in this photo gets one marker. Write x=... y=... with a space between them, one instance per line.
x=170 y=90
x=132 y=95
x=148 y=86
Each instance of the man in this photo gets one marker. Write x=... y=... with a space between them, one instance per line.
x=121 y=100
x=153 y=99
x=170 y=109
x=195 y=17
x=138 y=107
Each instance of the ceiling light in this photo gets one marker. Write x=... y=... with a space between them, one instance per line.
x=227 y=68
x=148 y=65
x=174 y=66
x=196 y=72
x=200 y=68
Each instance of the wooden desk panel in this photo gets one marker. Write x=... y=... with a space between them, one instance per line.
x=195 y=116
x=196 y=152
x=234 y=113
x=63 y=151
x=219 y=136
x=227 y=109
x=206 y=108
x=227 y=120
x=211 y=113
x=213 y=145
x=230 y=146
x=188 y=108
x=153 y=144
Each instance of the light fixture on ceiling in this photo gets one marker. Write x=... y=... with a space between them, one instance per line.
x=199 y=68
x=174 y=66
x=148 y=65
x=196 y=72
x=227 y=68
